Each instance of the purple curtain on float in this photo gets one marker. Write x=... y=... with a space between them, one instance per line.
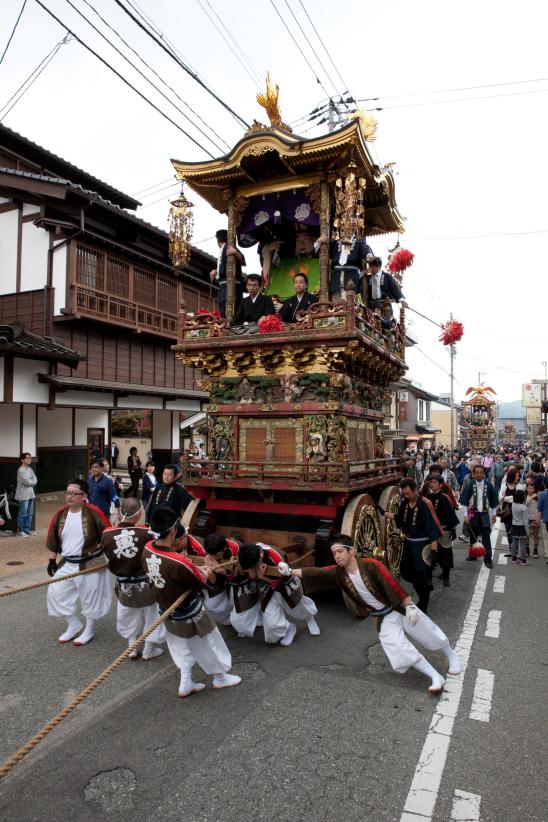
x=291 y=205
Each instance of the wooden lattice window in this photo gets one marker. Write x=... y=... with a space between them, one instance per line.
x=167 y=295
x=7 y=160
x=370 y=454
x=352 y=444
x=255 y=450
x=285 y=442
x=191 y=298
x=90 y=268
x=117 y=277
x=144 y=287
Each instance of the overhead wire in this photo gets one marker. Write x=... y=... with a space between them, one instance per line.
x=182 y=64
x=230 y=46
x=159 y=76
x=23 y=88
x=311 y=47
x=142 y=190
x=247 y=59
x=460 y=100
x=345 y=86
x=452 y=90
x=123 y=79
x=164 y=188
x=13 y=31
x=147 y=19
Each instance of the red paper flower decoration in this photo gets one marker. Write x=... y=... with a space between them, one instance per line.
x=477 y=551
x=216 y=314
x=400 y=261
x=451 y=332
x=270 y=323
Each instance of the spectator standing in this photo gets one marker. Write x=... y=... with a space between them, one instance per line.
x=542 y=507
x=497 y=473
x=101 y=490
x=531 y=501
x=169 y=492
x=462 y=470
x=413 y=472
x=510 y=484
x=114 y=451
x=520 y=529
x=135 y=472
x=479 y=504
x=149 y=482
x=24 y=494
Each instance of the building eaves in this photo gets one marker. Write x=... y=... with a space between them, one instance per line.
x=17 y=340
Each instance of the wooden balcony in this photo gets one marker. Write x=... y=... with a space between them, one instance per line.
x=107 y=308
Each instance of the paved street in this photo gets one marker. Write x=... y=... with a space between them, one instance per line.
x=322 y=730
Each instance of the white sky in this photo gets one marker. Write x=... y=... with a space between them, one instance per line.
x=471 y=176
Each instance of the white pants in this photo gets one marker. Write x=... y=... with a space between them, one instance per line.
x=275 y=622
x=400 y=652
x=131 y=622
x=220 y=605
x=210 y=652
x=93 y=590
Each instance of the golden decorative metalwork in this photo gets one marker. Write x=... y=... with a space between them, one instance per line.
x=181 y=226
x=394 y=538
x=368 y=124
x=367 y=534
x=348 y=223
x=269 y=101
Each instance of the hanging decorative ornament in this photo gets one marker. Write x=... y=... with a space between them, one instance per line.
x=451 y=332
x=400 y=260
x=181 y=225
x=348 y=223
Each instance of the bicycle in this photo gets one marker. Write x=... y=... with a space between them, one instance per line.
x=8 y=506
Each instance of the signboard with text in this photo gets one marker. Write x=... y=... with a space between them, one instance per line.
x=531 y=395
x=534 y=416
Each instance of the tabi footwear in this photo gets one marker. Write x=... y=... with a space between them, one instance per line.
x=189 y=687
x=226 y=681
x=73 y=629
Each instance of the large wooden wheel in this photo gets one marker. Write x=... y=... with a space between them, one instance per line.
x=360 y=522
x=391 y=536
x=191 y=514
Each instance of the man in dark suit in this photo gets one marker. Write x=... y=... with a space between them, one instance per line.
x=300 y=302
x=478 y=501
x=254 y=306
x=348 y=264
x=381 y=286
x=218 y=274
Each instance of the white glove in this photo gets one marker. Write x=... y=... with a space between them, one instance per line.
x=412 y=614
x=284 y=569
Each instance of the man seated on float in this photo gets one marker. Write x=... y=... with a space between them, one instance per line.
x=348 y=263
x=261 y=589
x=252 y=307
x=300 y=302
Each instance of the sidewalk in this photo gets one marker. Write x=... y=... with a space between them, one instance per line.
x=19 y=554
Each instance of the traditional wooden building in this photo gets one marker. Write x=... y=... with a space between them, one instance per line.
x=80 y=269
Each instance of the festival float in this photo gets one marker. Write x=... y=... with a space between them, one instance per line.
x=295 y=413
x=479 y=427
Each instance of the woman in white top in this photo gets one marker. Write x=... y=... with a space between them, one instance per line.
x=26 y=480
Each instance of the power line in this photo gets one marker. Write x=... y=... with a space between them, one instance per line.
x=143 y=75
x=323 y=45
x=230 y=46
x=247 y=59
x=164 y=188
x=492 y=235
x=461 y=99
x=13 y=31
x=181 y=64
x=142 y=191
x=123 y=79
x=36 y=72
x=310 y=44
x=166 y=84
x=299 y=48
x=452 y=90
x=150 y=22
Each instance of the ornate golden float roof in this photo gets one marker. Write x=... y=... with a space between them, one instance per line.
x=270 y=159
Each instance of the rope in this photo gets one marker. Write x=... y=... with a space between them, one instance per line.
x=56 y=579
x=49 y=726
x=414 y=310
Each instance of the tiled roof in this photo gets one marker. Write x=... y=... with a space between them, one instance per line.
x=15 y=339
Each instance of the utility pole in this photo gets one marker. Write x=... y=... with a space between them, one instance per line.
x=452 y=401
x=331 y=115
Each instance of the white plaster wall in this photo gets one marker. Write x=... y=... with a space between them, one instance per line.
x=30 y=208
x=29 y=429
x=89 y=418
x=2 y=361
x=59 y=277
x=34 y=257
x=54 y=427
x=26 y=387
x=136 y=401
x=161 y=429
x=9 y=430
x=84 y=398
x=175 y=431
x=183 y=405
x=3 y=200
x=8 y=251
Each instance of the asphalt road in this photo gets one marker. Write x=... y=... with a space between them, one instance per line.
x=322 y=730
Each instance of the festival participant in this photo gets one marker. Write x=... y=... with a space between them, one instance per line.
x=445 y=512
x=218 y=275
x=75 y=532
x=435 y=470
x=254 y=306
x=300 y=302
x=256 y=592
x=372 y=590
x=348 y=263
x=219 y=550
x=192 y=636
x=169 y=492
x=416 y=519
x=477 y=497
x=137 y=608
x=378 y=286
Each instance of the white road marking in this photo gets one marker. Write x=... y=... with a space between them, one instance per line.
x=483 y=695
x=504 y=540
x=493 y=624
x=423 y=793
x=466 y=807
x=503 y=560
x=498 y=586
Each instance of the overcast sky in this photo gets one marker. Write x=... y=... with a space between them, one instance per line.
x=471 y=165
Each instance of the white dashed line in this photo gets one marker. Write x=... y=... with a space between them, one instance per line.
x=498 y=586
x=503 y=560
x=423 y=793
x=483 y=696
x=493 y=624
x=466 y=807
x=504 y=540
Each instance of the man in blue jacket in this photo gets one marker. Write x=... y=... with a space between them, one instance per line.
x=101 y=489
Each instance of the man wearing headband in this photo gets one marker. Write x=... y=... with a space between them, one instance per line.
x=137 y=607
x=192 y=636
x=75 y=533
x=369 y=588
x=220 y=551
x=266 y=587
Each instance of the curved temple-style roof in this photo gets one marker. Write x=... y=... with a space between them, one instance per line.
x=269 y=159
